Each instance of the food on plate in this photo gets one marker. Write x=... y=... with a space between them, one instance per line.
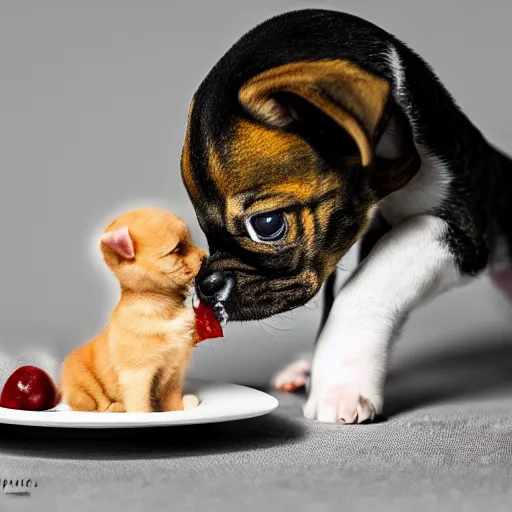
x=31 y=389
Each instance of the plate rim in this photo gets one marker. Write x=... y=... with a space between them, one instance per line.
x=156 y=417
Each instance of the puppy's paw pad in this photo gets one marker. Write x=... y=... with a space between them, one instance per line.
x=293 y=377
x=190 y=402
x=342 y=404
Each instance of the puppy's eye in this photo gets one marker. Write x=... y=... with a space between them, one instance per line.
x=267 y=227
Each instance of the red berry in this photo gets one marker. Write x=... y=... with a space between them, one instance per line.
x=29 y=388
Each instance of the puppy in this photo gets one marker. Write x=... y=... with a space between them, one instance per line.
x=319 y=129
x=137 y=363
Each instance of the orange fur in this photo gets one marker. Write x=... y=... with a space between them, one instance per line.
x=138 y=362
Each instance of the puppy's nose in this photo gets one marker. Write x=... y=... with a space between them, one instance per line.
x=216 y=287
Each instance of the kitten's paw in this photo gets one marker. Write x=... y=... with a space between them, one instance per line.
x=190 y=402
x=342 y=403
x=293 y=377
x=115 y=407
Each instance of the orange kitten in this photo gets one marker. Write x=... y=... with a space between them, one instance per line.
x=138 y=362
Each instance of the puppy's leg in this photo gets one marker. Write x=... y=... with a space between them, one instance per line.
x=501 y=271
x=502 y=278
x=295 y=375
x=329 y=294
x=378 y=228
x=408 y=266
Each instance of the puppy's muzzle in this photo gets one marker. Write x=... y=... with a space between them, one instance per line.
x=216 y=287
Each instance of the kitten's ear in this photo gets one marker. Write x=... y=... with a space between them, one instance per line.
x=120 y=242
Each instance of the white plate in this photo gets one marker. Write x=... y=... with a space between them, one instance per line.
x=218 y=402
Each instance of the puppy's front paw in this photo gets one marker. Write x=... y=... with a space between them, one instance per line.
x=342 y=403
x=293 y=377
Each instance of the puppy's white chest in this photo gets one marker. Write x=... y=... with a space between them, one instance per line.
x=427 y=190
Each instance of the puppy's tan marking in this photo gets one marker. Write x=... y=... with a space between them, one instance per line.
x=308 y=224
x=306 y=279
x=222 y=175
x=186 y=166
x=254 y=158
x=303 y=190
x=257 y=155
x=323 y=213
x=351 y=96
x=256 y=141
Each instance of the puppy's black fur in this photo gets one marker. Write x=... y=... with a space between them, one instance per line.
x=478 y=207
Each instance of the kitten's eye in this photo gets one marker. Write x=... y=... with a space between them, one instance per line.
x=178 y=250
x=267 y=227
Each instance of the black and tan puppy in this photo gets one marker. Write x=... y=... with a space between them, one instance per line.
x=318 y=129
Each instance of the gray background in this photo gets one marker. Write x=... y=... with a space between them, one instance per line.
x=93 y=103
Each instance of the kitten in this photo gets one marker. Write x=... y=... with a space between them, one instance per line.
x=137 y=364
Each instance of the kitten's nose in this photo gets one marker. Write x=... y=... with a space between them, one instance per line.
x=215 y=287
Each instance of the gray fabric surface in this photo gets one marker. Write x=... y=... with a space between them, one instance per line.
x=446 y=445
x=456 y=455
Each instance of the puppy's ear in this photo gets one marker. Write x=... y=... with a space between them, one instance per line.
x=355 y=99
x=120 y=242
